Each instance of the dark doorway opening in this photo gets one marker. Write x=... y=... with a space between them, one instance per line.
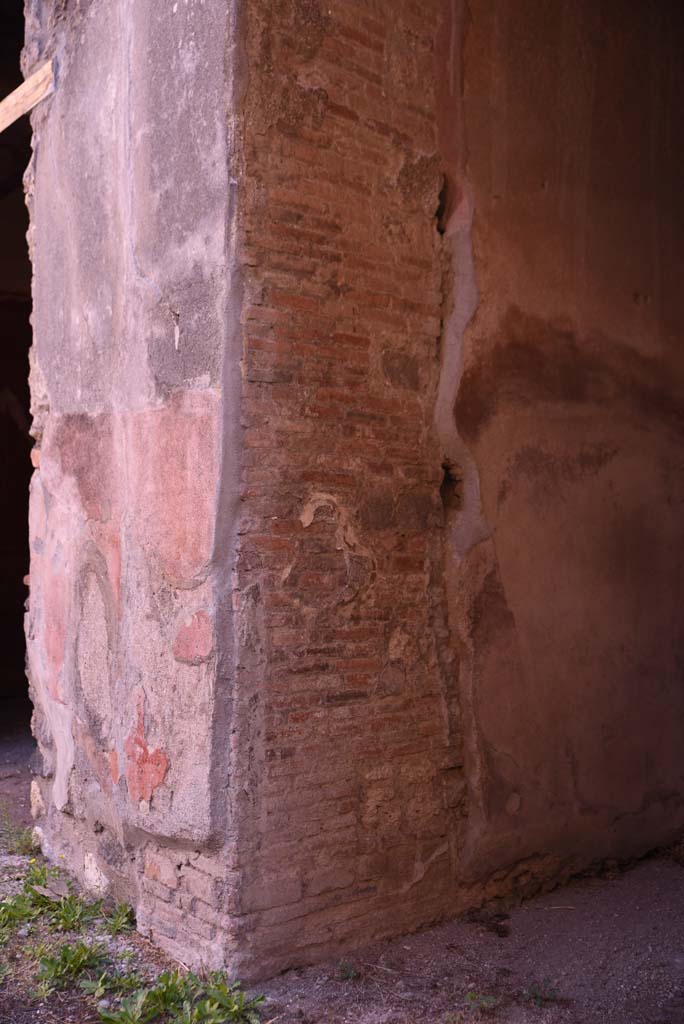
x=15 y=442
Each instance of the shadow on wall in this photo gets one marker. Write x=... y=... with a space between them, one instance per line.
x=15 y=472
x=533 y=361
x=577 y=699
x=570 y=402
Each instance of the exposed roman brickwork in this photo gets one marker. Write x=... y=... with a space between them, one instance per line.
x=186 y=903
x=347 y=772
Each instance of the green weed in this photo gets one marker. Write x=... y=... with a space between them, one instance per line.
x=540 y=993
x=36 y=899
x=347 y=971
x=171 y=991
x=37 y=951
x=100 y=987
x=71 y=913
x=226 y=1003
x=16 y=910
x=122 y=919
x=38 y=873
x=186 y=999
x=175 y=998
x=131 y=1011
x=68 y=963
x=42 y=991
x=480 y=1004
x=15 y=840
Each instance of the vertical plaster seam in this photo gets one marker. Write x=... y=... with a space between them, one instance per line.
x=465 y=526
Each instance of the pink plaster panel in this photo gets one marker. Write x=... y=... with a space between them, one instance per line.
x=195 y=639
x=174 y=474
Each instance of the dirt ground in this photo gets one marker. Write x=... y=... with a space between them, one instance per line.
x=606 y=950
x=597 y=950
x=16 y=748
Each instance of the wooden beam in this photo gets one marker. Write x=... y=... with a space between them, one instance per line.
x=24 y=98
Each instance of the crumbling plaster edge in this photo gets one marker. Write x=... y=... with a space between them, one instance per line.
x=466 y=527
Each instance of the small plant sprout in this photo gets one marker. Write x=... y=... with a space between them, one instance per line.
x=131 y=1011
x=121 y=919
x=106 y=983
x=347 y=971
x=42 y=991
x=37 y=951
x=15 y=840
x=96 y=987
x=478 y=1004
x=68 y=963
x=72 y=914
x=540 y=993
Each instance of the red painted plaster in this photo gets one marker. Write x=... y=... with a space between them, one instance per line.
x=114 y=766
x=145 y=768
x=174 y=489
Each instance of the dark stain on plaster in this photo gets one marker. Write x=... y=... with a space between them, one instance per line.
x=84 y=446
x=625 y=555
x=95 y=566
x=298 y=26
x=490 y=613
x=420 y=181
x=298 y=106
x=444 y=205
x=451 y=489
x=91 y=760
x=406 y=512
x=535 y=361
x=376 y=511
x=548 y=470
x=401 y=369
x=310 y=23
x=417 y=510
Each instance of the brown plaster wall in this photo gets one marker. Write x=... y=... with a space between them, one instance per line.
x=560 y=128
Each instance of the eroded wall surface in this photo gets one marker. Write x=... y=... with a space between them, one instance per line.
x=560 y=126
x=131 y=385
x=355 y=520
